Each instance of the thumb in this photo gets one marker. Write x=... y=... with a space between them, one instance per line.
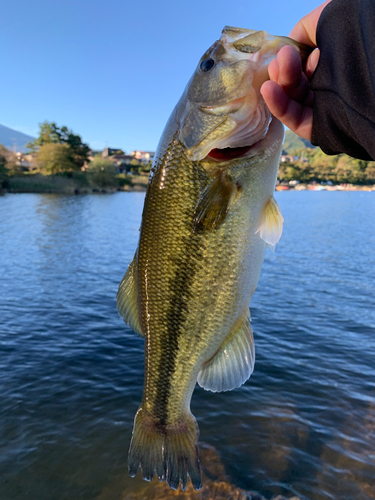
x=305 y=30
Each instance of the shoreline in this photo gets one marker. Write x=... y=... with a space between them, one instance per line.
x=57 y=184
x=324 y=187
x=141 y=188
x=103 y=190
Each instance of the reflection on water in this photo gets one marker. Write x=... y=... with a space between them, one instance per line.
x=71 y=372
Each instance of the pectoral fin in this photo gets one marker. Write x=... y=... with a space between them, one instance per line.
x=127 y=298
x=214 y=203
x=233 y=363
x=271 y=225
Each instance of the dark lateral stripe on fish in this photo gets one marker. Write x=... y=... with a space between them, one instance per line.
x=180 y=286
x=178 y=311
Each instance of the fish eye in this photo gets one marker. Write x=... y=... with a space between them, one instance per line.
x=207 y=64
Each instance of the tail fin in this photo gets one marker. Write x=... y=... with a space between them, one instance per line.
x=169 y=450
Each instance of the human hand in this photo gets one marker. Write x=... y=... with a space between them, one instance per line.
x=287 y=93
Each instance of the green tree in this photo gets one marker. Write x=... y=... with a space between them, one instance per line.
x=80 y=151
x=50 y=133
x=322 y=168
x=8 y=160
x=304 y=172
x=3 y=176
x=3 y=169
x=102 y=172
x=146 y=167
x=370 y=172
x=351 y=170
x=288 y=172
x=54 y=158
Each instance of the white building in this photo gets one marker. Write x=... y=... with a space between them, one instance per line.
x=144 y=156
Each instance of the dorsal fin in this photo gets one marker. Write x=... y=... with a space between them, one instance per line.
x=127 y=298
x=233 y=363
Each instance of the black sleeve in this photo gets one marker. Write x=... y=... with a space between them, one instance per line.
x=344 y=81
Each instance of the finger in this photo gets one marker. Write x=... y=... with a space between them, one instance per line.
x=290 y=67
x=305 y=30
x=293 y=114
x=290 y=75
x=273 y=70
x=312 y=63
x=301 y=93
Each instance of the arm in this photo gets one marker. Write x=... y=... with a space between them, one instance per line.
x=332 y=102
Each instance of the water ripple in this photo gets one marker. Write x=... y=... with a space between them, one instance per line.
x=71 y=372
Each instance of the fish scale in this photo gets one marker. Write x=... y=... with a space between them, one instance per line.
x=178 y=258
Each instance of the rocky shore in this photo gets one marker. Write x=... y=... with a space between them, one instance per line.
x=216 y=485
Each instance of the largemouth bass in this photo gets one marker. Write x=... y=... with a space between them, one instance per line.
x=209 y=213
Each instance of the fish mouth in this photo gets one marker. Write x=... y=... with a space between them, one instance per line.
x=243 y=137
x=271 y=141
x=233 y=129
x=228 y=154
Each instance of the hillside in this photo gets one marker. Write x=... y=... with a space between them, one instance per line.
x=293 y=142
x=12 y=138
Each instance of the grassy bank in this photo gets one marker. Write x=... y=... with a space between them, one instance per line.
x=78 y=183
x=82 y=183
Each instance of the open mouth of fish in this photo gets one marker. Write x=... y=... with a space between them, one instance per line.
x=245 y=122
x=227 y=154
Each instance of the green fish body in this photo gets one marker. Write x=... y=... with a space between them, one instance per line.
x=209 y=213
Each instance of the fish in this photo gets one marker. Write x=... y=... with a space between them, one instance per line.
x=208 y=215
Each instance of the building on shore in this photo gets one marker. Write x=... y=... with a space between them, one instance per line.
x=111 y=152
x=120 y=159
x=26 y=162
x=288 y=158
x=123 y=162
x=144 y=156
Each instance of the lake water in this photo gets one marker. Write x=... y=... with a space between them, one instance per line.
x=71 y=372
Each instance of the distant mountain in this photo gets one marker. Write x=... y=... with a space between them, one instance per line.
x=294 y=142
x=11 y=138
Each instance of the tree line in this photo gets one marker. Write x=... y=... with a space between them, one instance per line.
x=59 y=150
x=314 y=165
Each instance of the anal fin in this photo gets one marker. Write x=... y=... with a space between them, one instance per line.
x=233 y=363
x=127 y=298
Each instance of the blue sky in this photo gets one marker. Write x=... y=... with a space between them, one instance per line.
x=113 y=70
